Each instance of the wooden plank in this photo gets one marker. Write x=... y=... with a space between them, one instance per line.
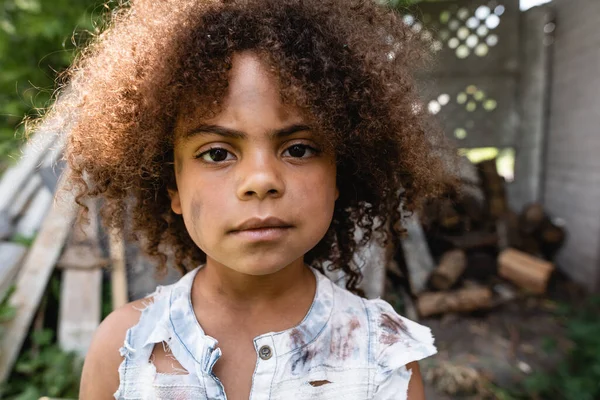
x=43 y=149
x=81 y=288
x=30 y=223
x=33 y=279
x=24 y=196
x=80 y=309
x=419 y=261
x=14 y=178
x=118 y=273
x=11 y=255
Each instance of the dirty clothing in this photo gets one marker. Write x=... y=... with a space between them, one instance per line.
x=345 y=348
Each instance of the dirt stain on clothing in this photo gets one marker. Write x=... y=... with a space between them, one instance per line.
x=394 y=329
x=342 y=342
x=303 y=357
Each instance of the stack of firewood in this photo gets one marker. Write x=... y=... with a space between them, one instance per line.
x=481 y=253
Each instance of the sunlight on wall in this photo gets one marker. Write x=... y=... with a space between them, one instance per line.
x=505 y=159
x=526 y=4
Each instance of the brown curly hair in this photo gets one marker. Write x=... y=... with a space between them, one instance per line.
x=347 y=63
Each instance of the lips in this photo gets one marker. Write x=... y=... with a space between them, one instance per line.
x=257 y=224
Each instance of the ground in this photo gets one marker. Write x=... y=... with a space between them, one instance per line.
x=502 y=346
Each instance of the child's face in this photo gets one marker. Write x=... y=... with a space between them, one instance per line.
x=255 y=160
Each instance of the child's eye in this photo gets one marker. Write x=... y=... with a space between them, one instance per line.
x=215 y=155
x=300 y=151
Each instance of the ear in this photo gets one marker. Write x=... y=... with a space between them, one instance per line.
x=175 y=201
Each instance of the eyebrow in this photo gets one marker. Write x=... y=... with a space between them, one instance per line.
x=235 y=134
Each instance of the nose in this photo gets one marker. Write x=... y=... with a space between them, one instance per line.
x=260 y=178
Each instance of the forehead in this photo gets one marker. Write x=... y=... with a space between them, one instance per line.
x=253 y=95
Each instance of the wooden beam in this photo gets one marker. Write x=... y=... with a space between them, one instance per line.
x=23 y=198
x=81 y=288
x=11 y=255
x=118 y=272
x=14 y=178
x=30 y=222
x=33 y=280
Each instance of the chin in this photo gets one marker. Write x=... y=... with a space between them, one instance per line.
x=259 y=265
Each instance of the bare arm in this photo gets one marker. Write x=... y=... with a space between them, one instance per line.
x=100 y=376
x=415 y=386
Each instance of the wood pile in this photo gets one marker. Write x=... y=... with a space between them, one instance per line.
x=468 y=251
x=40 y=232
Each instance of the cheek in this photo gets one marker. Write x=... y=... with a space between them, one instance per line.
x=319 y=190
x=196 y=208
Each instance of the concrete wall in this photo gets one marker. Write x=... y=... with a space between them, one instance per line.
x=572 y=161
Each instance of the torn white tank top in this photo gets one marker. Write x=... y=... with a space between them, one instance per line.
x=345 y=348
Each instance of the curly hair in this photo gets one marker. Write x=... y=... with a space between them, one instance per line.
x=348 y=64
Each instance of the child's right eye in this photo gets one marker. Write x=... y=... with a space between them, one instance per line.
x=215 y=155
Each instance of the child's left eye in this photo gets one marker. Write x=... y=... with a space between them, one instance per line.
x=215 y=155
x=299 y=151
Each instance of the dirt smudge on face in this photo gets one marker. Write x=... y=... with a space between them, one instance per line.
x=394 y=329
x=195 y=210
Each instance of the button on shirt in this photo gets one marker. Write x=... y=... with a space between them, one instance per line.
x=345 y=348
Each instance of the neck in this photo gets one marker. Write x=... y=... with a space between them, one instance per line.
x=223 y=284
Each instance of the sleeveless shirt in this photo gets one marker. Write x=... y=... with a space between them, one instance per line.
x=345 y=348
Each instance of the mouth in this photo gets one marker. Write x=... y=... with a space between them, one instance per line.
x=262 y=229
x=261 y=223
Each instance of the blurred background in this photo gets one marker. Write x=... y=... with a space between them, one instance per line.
x=506 y=271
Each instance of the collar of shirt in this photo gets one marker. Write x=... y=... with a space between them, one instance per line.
x=203 y=348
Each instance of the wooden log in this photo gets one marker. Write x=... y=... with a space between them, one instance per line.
x=481 y=266
x=33 y=279
x=507 y=228
x=11 y=255
x=552 y=236
x=493 y=187
x=530 y=244
x=81 y=288
x=528 y=272
x=462 y=300
x=419 y=261
x=473 y=240
x=451 y=266
x=449 y=217
x=531 y=218
x=473 y=209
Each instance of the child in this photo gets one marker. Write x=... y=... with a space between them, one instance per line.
x=244 y=141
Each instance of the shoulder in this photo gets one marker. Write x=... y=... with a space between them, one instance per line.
x=398 y=343
x=391 y=333
x=394 y=340
x=100 y=376
x=398 y=340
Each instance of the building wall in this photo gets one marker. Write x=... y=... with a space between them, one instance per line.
x=572 y=160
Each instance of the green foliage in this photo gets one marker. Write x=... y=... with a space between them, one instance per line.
x=7 y=312
x=37 y=40
x=44 y=370
x=578 y=376
x=24 y=240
